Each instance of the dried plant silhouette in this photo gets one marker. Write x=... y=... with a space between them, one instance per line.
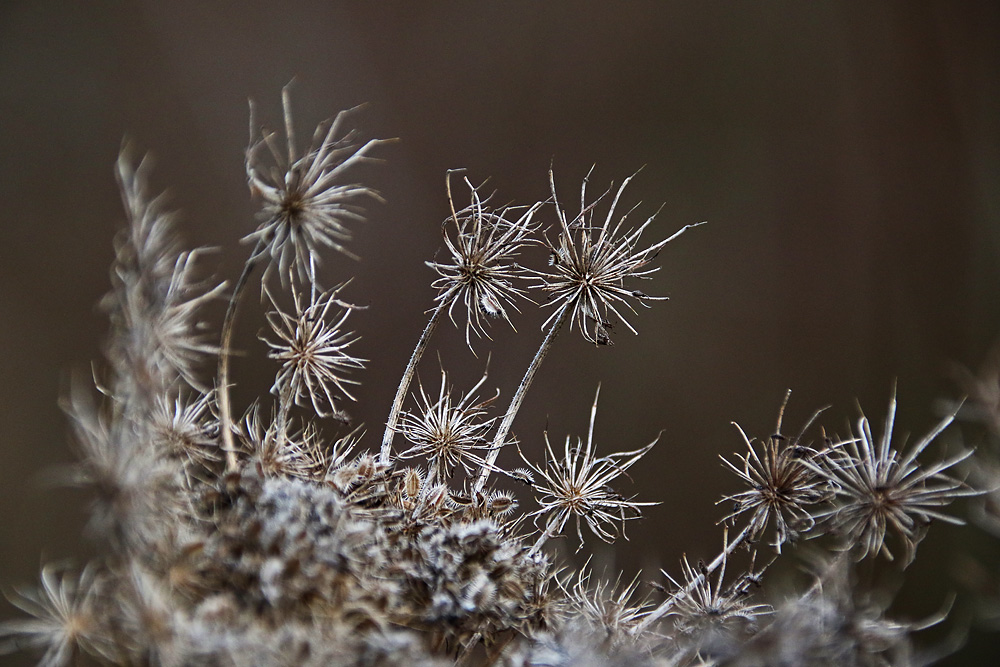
x=258 y=538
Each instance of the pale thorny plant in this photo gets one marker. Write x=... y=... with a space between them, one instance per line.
x=264 y=539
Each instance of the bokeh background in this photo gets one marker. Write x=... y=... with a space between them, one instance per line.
x=845 y=154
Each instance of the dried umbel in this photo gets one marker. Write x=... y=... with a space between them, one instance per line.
x=590 y=262
x=312 y=348
x=612 y=607
x=482 y=274
x=286 y=536
x=578 y=485
x=447 y=431
x=155 y=295
x=306 y=206
x=783 y=483
x=62 y=622
x=880 y=489
x=713 y=617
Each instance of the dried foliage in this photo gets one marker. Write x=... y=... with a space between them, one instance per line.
x=261 y=540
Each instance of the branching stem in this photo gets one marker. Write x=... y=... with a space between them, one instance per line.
x=547 y=534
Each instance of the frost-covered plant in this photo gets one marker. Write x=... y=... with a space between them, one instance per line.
x=253 y=539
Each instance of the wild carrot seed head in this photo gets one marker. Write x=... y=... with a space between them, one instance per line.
x=881 y=489
x=305 y=205
x=591 y=259
x=481 y=273
x=311 y=347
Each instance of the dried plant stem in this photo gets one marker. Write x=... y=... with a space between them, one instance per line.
x=404 y=383
x=281 y=419
x=225 y=347
x=515 y=402
x=668 y=604
x=548 y=533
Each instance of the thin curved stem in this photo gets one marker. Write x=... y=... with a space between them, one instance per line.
x=225 y=346
x=515 y=402
x=404 y=383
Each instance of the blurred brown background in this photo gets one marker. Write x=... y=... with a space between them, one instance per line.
x=845 y=154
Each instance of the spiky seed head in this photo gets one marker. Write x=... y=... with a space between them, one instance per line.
x=63 y=619
x=448 y=431
x=782 y=488
x=305 y=203
x=577 y=485
x=276 y=449
x=881 y=490
x=481 y=273
x=591 y=260
x=156 y=302
x=186 y=428
x=607 y=605
x=701 y=607
x=311 y=347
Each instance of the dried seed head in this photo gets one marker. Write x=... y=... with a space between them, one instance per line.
x=591 y=261
x=277 y=450
x=63 y=620
x=701 y=606
x=312 y=350
x=305 y=204
x=607 y=605
x=578 y=485
x=783 y=489
x=481 y=273
x=447 y=431
x=880 y=489
x=186 y=429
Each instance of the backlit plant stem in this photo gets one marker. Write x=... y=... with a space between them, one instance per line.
x=228 y=324
x=515 y=402
x=404 y=383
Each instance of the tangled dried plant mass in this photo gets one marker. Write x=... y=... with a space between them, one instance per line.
x=263 y=539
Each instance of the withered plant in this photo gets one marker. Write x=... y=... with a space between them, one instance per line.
x=260 y=539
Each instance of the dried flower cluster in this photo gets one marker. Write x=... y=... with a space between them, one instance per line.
x=255 y=539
